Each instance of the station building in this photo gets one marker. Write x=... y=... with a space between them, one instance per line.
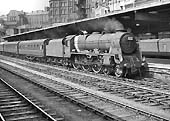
x=38 y=19
x=62 y=11
x=14 y=19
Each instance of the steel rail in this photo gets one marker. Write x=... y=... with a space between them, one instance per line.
x=50 y=118
x=1 y=117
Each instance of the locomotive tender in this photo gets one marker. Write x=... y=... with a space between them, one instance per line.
x=107 y=52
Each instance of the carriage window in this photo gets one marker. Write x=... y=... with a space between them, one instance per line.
x=164 y=48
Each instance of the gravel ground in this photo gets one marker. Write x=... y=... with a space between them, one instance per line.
x=70 y=111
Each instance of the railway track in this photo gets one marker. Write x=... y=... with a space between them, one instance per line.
x=152 y=84
x=103 y=104
x=14 y=106
x=58 y=106
x=157 y=84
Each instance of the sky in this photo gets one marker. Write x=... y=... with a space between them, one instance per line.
x=25 y=5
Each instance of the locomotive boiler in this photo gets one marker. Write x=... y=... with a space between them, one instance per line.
x=103 y=42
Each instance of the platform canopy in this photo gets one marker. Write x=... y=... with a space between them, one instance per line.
x=149 y=18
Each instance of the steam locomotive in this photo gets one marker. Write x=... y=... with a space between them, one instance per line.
x=107 y=53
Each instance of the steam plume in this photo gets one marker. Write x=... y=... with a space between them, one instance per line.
x=112 y=25
x=107 y=25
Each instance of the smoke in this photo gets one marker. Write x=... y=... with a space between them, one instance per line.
x=107 y=25
x=113 y=25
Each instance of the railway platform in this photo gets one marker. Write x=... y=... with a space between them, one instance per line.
x=159 y=71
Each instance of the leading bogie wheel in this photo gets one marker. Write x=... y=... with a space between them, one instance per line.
x=107 y=70
x=119 y=72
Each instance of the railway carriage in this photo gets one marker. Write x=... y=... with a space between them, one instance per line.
x=33 y=48
x=11 y=47
x=1 y=47
x=164 y=47
x=159 y=48
x=149 y=46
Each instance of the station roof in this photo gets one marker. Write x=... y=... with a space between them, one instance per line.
x=149 y=18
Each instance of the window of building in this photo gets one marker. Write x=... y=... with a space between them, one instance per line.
x=51 y=5
x=63 y=19
x=70 y=10
x=66 y=20
x=62 y=4
x=70 y=3
x=57 y=20
x=63 y=11
x=50 y=12
x=57 y=4
x=57 y=11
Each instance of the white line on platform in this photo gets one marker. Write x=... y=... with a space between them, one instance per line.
x=161 y=66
